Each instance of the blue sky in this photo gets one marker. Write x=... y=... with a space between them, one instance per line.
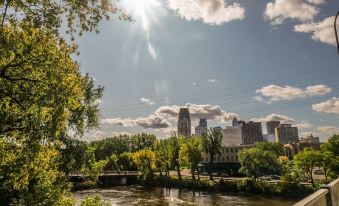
x=260 y=60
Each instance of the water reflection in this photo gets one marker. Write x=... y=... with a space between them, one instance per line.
x=126 y=196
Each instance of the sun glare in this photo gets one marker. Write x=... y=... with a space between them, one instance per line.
x=141 y=10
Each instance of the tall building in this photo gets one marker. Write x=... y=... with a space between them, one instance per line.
x=251 y=132
x=271 y=125
x=201 y=128
x=184 y=122
x=285 y=133
x=231 y=136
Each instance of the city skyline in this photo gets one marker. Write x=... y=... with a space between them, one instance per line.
x=262 y=64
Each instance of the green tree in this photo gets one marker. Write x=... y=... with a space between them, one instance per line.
x=125 y=162
x=212 y=146
x=190 y=154
x=163 y=155
x=331 y=148
x=145 y=161
x=275 y=147
x=92 y=168
x=142 y=141
x=306 y=161
x=174 y=149
x=256 y=162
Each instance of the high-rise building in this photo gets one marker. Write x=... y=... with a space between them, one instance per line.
x=251 y=132
x=271 y=125
x=285 y=134
x=201 y=128
x=231 y=136
x=184 y=122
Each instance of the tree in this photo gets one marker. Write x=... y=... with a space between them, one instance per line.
x=81 y=16
x=256 y=162
x=30 y=175
x=145 y=161
x=92 y=168
x=93 y=200
x=212 y=145
x=307 y=160
x=275 y=147
x=125 y=162
x=163 y=155
x=190 y=154
x=331 y=148
x=174 y=154
x=44 y=98
x=142 y=141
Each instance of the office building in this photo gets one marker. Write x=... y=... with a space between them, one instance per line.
x=201 y=128
x=285 y=134
x=184 y=122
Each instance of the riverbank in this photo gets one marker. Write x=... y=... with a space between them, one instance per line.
x=242 y=186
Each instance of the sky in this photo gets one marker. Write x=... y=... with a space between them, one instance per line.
x=255 y=60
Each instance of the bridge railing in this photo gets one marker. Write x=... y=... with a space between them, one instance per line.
x=328 y=195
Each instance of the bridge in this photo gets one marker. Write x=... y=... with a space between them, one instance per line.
x=108 y=178
x=327 y=195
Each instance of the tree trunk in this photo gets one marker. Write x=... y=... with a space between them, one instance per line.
x=192 y=172
x=210 y=166
x=178 y=171
x=312 y=178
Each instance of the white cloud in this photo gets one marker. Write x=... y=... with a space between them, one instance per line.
x=327 y=131
x=152 y=51
x=163 y=116
x=321 y=31
x=274 y=117
x=194 y=83
x=273 y=92
x=198 y=111
x=98 y=101
x=211 y=80
x=213 y=12
x=330 y=106
x=303 y=125
x=303 y=10
x=147 y=101
x=95 y=135
x=150 y=122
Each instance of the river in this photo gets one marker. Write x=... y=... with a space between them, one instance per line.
x=128 y=196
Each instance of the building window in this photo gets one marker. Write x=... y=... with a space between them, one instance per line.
x=236 y=149
x=223 y=159
x=227 y=158
x=231 y=150
x=226 y=150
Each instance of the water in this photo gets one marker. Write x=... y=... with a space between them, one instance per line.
x=128 y=196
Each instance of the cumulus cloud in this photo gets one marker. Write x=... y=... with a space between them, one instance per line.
x=147 y=101
x=162 y=117
x=274 y=117
x=194 y=83
x=273 y=92
x=303 y=125
x=330 y=106
x=95 y=135
x=303 y=10
x=328 y=130
x=321 y=31
x=150 y=122
x=213 y=12
x=198 y=111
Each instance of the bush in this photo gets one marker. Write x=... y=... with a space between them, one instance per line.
x=93 y=200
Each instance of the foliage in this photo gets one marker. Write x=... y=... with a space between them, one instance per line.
x=93 y=200
x=145 y=161
x=29 y=175
x=112 y=145
x=125 y=162
x=331 y=149
x=91 y=168
x=212 y=145
x=190 y=153
x=307 y=160
x=142 y=141
x=256 y=162
x=163 y=155
x=174 y=148
x=275 y=147
x=81 y=16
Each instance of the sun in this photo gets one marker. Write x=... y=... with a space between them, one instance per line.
x=141 y=10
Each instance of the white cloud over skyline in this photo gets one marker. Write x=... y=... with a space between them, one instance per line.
x=166 y=116
x=274 y=117
x=213 y=12
x=274 y=93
